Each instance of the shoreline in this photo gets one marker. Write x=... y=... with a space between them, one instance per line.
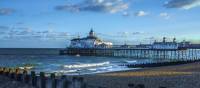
x=176 y=76
x=179 y=76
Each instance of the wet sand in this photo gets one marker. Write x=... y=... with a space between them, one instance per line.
x=180 y=76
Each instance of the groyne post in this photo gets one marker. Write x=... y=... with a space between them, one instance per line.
x=131 y=85
x=33 y=78
x=12 y=74
x=42 y=80
x=18 y=75
x=25 y=72
x=9 y=72
x=1 y=70
x=54 y=81
x=162 y=87
x=140 y=86
x=6 y=71
x=66 y=83
x=78 y=82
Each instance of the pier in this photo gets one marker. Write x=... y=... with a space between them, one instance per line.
x=137 y=53
x=91 y=45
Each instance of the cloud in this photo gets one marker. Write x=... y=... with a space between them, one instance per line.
x=164 y=15
x=128 y=34
x=183 y=4
x=4 y=28
x=107 y=6
x=141 y=13
x=26 y=33
x=6 y=11
x=125 y=14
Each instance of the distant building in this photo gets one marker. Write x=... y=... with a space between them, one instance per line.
x=144 y=46
x=165 y=45
x=185 y=44
x=91 y=41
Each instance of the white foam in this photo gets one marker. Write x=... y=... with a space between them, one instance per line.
x=86 y=65
x=66 y=71
x=134 y=61
x=26 y=67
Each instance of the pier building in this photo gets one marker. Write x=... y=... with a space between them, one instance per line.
x=165 y=44
x=91 y=41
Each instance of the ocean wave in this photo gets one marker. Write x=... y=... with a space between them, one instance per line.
x=86 y=65
x=132 y=61
x=26 y=67
x=65 y=71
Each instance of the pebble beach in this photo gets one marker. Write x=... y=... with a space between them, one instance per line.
x=179 y=76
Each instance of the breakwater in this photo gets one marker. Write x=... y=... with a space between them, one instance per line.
x=43 y=80
x=159 y=64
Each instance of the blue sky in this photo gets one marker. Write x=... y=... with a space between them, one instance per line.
x=52 y=23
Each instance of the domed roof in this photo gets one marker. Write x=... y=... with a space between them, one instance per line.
x=90 y=36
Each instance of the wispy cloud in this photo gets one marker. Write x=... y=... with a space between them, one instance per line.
x=141 y=13
x=184 y=4
x=26 y=33
x=128 y=34
x=4 y=28
x=107 y=6
x=126 y=13
x=6 y=11
x=164 y=15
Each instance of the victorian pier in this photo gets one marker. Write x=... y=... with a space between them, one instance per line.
x=93 y=46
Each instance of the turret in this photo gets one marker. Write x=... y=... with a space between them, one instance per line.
x=91 y=32
x=164 y=39
x=174 y=40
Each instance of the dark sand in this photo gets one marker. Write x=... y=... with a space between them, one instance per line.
x=181 y=76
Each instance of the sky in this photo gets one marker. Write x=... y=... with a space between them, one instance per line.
x=53 y=23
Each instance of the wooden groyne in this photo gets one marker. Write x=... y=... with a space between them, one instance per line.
x=159 y=64
x=41 y=80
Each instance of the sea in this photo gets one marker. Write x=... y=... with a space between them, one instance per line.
x=49 y=61
x=68 y=65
